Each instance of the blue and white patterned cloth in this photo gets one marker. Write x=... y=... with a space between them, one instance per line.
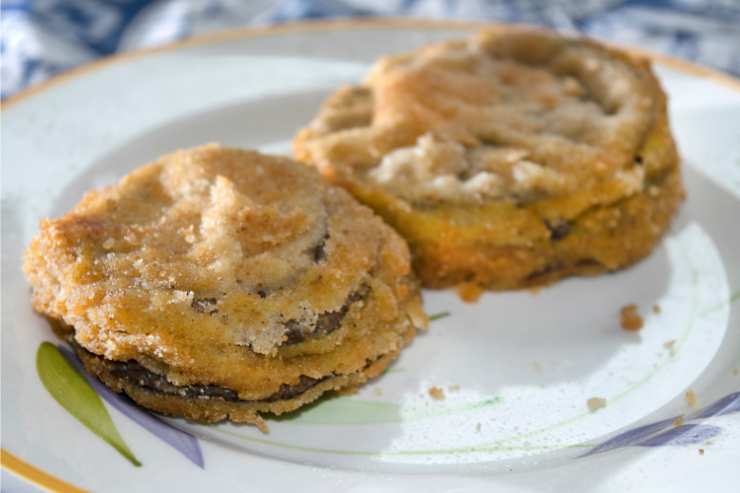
x=39 y=38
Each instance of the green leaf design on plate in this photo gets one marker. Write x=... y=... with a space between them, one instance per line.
x=348 y=411
x=343 y=410
x=75 y=395
x=437 y=316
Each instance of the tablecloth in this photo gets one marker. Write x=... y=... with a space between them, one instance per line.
x=39 y=38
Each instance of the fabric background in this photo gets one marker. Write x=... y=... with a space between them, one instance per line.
x=42 y=37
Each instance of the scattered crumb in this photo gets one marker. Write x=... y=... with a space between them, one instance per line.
x=596 y=403
x=261 y=425
x=670 y=346
x=656 y=309
x=453 y=388
x=477 y=428
x=436 y=393
x=630 y=318
x=469 y=292
x=378 y=391
x=678 y=421
x=690 y=398
x=701 y=451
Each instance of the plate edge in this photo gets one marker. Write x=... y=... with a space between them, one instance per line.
x=34 y=475
x=335 y=25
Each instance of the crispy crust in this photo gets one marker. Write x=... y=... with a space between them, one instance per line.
x=579 y=202
x=227 y=268
x=214 y=410
x=600 y=239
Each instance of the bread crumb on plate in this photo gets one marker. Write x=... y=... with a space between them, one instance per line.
x=690 y=397
x=630 y=319
x=436 y=393
x=657 y=309
x=596 y=403
x=670 y=345
x=262 y=425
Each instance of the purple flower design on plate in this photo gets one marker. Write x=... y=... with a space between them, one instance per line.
x=726 y=405
x=630 y=437
x=653 y=434
x=682 y=435
x=180 y=440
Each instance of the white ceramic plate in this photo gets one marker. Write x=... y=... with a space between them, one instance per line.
x=517 y=368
